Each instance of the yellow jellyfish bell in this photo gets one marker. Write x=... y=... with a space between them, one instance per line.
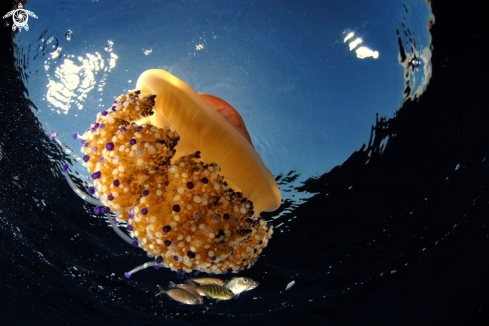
x=164 y=160
x=202 y=128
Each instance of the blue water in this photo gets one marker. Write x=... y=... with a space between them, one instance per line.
x=307 y=100
x=371 y=196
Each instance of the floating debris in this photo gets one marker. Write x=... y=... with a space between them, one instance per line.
x=291 y=284
x=415 y=62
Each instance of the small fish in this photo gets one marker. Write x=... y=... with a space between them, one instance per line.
x=241 y=284
x=208 y=280
x=189 y=288
x=200 y=291
x=180 y=295
x=215 y=291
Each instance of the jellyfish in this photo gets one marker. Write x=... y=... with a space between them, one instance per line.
x=178 y=170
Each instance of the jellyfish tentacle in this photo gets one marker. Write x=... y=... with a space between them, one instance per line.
x=67 y=176
x=119 y=232
x=81 y=194
x=141 y=267
x=66 y=149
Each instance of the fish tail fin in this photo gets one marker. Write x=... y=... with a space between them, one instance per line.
x=190 y=282
x=208 y=296
x=161 y=291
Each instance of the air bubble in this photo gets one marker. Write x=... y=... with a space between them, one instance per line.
x=51 y=45
x=108 y=47
x=83 y=73
x=69 y=35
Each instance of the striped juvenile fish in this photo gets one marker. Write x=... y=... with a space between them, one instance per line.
x=215 y=291
x=180 y=295
x=241 y=284
x=189 y=288
x=208 y=280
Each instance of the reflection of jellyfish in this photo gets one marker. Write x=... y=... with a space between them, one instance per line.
x=145 y=155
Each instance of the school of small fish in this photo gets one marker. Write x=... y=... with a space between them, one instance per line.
x=192 y=291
